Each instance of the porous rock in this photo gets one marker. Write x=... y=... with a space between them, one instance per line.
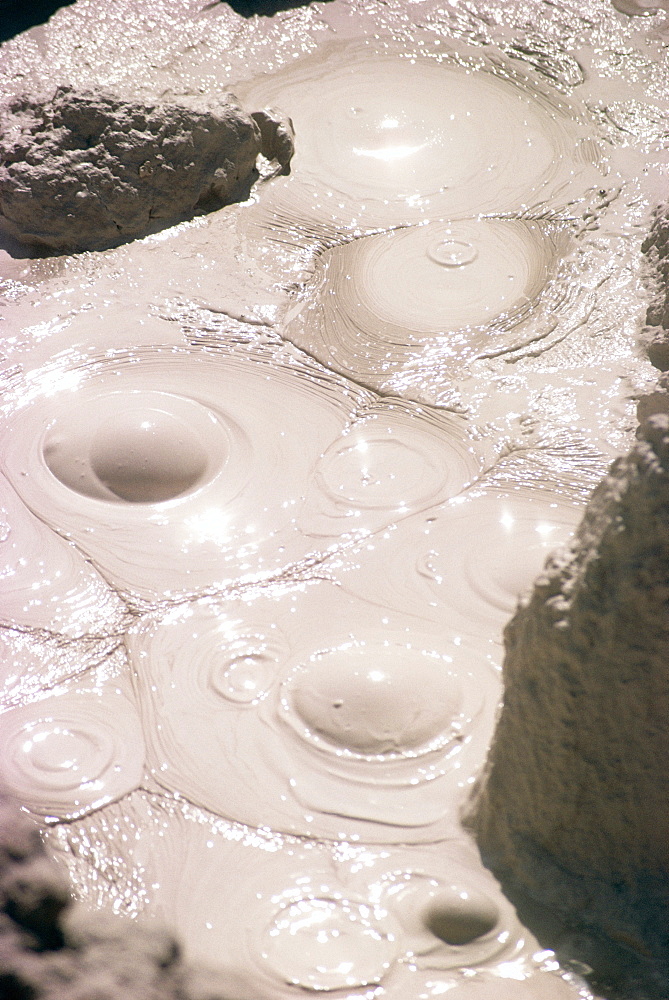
x=655 y=333
x=655 y=401
x=572 y=813
x=86 y=170
x=634 y=8
x=277 y=136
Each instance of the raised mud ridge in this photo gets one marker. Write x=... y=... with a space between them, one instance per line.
x=86 y=170
x=573 y=811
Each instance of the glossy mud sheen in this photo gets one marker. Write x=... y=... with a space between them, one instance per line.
x=274 y=479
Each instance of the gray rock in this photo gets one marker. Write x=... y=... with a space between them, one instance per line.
x=51 y=949
x=655 y=334
x=635 y=9
x=19 y=837
x=656 y=401
x=86 y=170
x=33 y=894
x=573 y=812
x=277 y=136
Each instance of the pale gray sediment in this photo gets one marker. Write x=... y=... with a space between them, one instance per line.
x=301 y=557
x=85 y=170
x=573 y=811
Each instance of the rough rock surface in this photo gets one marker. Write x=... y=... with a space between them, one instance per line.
x=276 y=135
x=655 y=334
x=51 y=950
x=86 y=170
x=573 y=811
x=656 y=401
x=635 y=8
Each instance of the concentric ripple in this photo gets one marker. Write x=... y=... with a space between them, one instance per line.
x=496 y=546
x=468 y=562
x=174 y=471
x=389 y=701
x=455 y=290
x=330 y=944
x=468 y=274
x=274 y=756
x=394 y=460
x=337 y=737
x=403 y=137
x=367 y=743
x=446 y=925
x=218 y=658
x=45 y=583
x=243 y=670
x=72 y=753
x=137 y=447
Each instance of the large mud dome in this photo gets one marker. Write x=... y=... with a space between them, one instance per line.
x=275 y=478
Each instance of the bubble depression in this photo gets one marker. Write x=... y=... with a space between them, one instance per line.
x=254 y=580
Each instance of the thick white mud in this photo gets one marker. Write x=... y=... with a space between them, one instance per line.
x=275 y=479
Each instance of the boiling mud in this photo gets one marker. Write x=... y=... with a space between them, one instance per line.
x=268 y=508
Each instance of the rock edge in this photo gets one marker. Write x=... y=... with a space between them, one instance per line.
x=85 y=170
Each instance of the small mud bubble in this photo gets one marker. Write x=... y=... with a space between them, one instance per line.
x=330 y=944
x=452 y=253
x=81 y=751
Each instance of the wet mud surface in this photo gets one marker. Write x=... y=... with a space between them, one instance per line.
x=274 y=479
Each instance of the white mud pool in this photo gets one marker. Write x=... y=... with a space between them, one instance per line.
x=274 y=478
